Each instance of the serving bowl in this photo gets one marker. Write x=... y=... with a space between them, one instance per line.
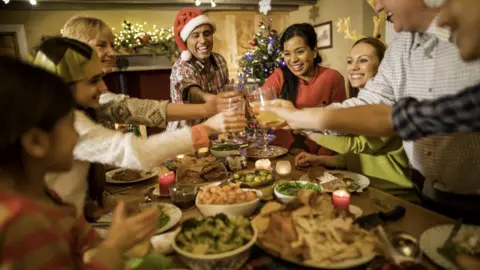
x=218 y=152
x=285 y=199
x=232 y=260
x=245 y=209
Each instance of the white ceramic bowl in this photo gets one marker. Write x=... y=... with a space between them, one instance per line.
x=239 y=209
x=285 y=199
x=223 y=154
x=231 y=260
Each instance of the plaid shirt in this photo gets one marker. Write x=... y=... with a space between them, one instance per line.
x=427 y=66
x=43 y=235
x=186 y=74
x=413 y=119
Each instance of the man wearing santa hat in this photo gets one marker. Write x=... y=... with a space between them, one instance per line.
x=199 y=74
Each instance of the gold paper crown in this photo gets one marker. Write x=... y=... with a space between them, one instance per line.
x=344 y=25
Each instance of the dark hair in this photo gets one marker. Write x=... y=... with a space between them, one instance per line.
x=380 y=49
x=307 y=32
x=30 y=97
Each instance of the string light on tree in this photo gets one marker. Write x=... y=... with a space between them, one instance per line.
x=258 y=62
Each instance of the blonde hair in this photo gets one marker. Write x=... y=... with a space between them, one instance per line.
x=85 y=28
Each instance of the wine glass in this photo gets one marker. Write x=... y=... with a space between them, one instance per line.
x=259 y=99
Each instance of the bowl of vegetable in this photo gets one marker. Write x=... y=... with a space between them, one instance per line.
x=230 y=200
x=225 y=150
x=253 y=178
x=212 y=243
x=287 y=191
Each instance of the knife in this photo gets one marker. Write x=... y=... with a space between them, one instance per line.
x=373 y=220
x=448 y=250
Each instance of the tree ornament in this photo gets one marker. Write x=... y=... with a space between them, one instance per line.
x=253 y=42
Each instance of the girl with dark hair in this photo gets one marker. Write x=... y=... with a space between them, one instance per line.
x=303 y=81
x=38 y=230
x=80 y=67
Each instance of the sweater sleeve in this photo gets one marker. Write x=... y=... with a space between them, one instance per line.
x=127 y=110
x=99 y=144
x=353 y=144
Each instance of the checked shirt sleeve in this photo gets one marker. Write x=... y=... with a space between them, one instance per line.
x=413 y=119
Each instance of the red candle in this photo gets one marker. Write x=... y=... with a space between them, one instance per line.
x=165 y=181
x=341 y=199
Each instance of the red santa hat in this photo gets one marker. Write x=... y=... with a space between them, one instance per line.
x=186 y=21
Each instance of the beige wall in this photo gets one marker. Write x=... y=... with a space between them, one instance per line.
x=331 y=10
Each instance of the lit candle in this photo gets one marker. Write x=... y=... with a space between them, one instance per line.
x=263 y=164
x=202 y=152
x=341 y=199
x=283 y=167
x=165 y=181
x=180 y=156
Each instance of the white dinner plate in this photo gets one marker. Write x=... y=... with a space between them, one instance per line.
x=435 y=237
x=174 y=213
x=360 y=179
x=144 y=176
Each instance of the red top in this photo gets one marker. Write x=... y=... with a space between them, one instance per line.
x=43 y=235
x=327 y=86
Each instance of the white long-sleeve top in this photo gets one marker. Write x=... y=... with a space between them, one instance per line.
x=102 y=145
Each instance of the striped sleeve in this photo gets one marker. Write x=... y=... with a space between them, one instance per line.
x=31 y=241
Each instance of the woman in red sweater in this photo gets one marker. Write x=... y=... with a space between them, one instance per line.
x=304 y=82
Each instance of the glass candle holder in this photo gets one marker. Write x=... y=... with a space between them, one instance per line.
x=283 y=167
x=341 y=199
x=263 y=164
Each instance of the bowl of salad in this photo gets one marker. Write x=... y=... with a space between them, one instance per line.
x=287 y=191
x=218 y=242
x=225 y=150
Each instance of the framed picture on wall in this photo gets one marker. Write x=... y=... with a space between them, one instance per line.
x=13 y=41
x=324 y=35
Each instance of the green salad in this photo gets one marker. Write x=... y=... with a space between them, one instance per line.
x=226 y=147
x=214 y=235
x=291 y=188
x=163 y=218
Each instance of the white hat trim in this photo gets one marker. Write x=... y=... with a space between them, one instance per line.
x=194 y=23
x=434 y=3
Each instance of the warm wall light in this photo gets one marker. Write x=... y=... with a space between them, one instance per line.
x=6 y=1
x=199 y=2
x=33 y=2
x=213 y=3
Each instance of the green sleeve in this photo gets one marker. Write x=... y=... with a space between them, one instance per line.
x=356 y=144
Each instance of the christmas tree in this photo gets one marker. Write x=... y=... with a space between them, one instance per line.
x=133 y=38
x=263 y=55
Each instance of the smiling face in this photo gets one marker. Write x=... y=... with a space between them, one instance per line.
x=299 y=57
x=462 y=17
x=406 y=15
x=362 y=64
x=87 y=91
x=200 y=42
x=103 y=45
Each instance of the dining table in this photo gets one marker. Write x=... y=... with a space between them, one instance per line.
x=415 y=221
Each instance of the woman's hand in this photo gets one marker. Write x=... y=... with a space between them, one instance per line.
x=292 y=117
x=228 y=121
x=306 y=160
x=126 y=232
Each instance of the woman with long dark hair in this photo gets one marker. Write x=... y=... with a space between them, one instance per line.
x=303 y=81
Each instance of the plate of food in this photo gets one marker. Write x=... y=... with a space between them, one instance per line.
x=287 y=191
x=331 y=180
x=202 y=174
x=169 y=215
x=189 y=160
x=218 y=242
x=225 y=150
x=259 y=153
x=253 y=178
x=128 y=176
x=312 y=233
x=466 y=241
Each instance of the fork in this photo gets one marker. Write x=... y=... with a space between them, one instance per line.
x=448 y=249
